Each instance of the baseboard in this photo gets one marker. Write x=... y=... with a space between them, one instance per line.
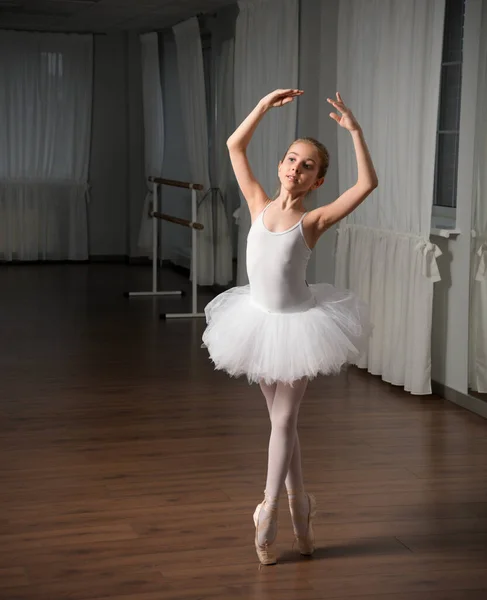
x=124 y=258
x=139 y=260
x=472 y=404
x=93 y=258
x=27 y=263
x=109 y=258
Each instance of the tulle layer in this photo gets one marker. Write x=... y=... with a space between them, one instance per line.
x=244 y=339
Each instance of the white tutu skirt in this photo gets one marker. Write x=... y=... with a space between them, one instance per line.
x=243 y=339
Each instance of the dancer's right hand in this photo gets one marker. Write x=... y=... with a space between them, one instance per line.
x=278 y=98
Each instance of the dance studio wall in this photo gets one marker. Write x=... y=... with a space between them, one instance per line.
x=177 y=240
x=450 y=330
x=317 y=76
x=117 y=148
x=175 y=201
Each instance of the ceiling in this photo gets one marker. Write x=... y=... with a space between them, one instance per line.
x=101 y=16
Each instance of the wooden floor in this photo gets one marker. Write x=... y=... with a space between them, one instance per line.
x=130 y=470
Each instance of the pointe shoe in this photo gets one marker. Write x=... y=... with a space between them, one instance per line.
x=306 y=543
x=264 y=551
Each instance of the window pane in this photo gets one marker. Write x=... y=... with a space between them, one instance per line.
x=446 y=170
x=451 y=76
x=452 y=42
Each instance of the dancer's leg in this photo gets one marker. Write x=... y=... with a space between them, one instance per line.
x=269 y=391
x=284 y=418
x=294 y=477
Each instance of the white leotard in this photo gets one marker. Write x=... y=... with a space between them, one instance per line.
x=276 y=268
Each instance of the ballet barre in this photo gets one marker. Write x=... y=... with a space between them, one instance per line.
x=192 y=224
x=179 y=221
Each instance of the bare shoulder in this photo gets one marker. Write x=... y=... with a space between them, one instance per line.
x=257 y=206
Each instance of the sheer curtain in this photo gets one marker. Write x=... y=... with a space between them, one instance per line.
x=266 y=58
x=214 y=239
x=45 y=124
x=478 y=289
x=153 y=128
x=224 y=125
x=389 y=60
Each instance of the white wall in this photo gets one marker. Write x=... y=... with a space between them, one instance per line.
x=451 y=294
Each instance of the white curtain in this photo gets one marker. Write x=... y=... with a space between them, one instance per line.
x=389 y=61
x=214 y=239
x=153 y=128
x=224 y=125
x=45 y=125
x=478 y=291
x=266 y=58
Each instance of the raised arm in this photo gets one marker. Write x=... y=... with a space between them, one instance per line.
x=239 y=140
x=325 y=216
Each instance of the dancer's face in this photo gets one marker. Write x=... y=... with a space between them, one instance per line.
x=298 y=171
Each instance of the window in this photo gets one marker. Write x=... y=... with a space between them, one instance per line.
x=445 y=189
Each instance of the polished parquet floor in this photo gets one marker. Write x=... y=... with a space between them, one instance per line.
x=130 y=470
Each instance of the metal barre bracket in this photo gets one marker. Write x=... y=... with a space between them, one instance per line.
x=194 y=225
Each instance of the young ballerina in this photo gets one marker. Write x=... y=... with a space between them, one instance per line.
x=279 y=331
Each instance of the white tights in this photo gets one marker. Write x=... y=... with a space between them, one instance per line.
x=284 y=458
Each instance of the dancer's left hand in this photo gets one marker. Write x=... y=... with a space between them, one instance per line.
x=346 y=119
